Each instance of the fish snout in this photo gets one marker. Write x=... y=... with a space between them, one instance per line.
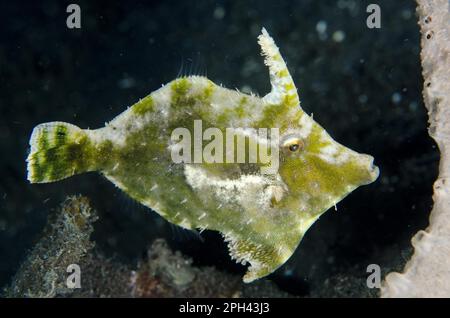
x=373 y=170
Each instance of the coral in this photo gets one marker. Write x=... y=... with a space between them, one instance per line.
x=165 y=273
x=427 y=274
x=65 y=241
x=169 y=274
x=103 y=277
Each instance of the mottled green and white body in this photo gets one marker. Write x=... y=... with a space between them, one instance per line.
x=263 y=217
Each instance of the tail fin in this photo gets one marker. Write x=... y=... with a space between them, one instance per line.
x=58 y=150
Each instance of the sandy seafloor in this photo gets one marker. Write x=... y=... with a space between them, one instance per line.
x=363 y=85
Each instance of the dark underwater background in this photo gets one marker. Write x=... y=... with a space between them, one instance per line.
x=363 y=85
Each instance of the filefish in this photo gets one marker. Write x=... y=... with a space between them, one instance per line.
x=262 y=216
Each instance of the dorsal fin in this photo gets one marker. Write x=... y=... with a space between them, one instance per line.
x=283 y=87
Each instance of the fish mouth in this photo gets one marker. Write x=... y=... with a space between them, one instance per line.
x=373 y=170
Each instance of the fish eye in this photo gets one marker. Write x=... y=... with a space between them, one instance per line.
x=293 y=144
x=293 y=147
